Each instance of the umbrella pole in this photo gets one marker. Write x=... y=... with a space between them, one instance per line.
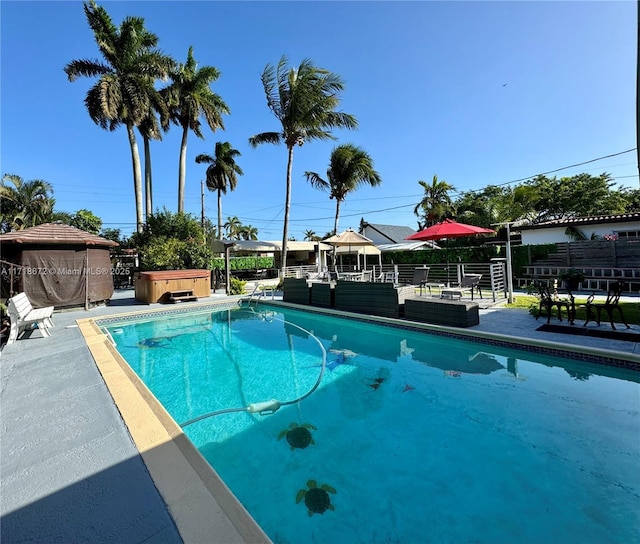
x=448 y=283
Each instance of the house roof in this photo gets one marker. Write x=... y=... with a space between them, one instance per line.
x=577 y=221
x=55 y=234
x=394 y=233
x=408 y=246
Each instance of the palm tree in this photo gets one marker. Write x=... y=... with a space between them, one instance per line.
x=248 y=232
x=221 y=173
x=232 y=227
x=24 y=203
x=150 y=130
x=124 y=90
x=311 y=236
x=189 y=97
x=349 y=167
x=304 y=101
x=436 y=202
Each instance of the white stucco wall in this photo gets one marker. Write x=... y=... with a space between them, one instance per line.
x=557 y=234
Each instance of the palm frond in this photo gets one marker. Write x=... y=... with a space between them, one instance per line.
x=203 y=157
x=316 y=181
x=85 y=68
x=265 y=138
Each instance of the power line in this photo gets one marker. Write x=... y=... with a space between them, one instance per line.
x=382 y=210
x=565 y=167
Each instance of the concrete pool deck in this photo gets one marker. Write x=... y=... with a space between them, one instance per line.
x=73 y=471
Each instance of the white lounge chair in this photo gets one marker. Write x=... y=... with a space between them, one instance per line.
x=22 y=315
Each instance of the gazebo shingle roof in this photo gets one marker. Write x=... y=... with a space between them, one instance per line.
x=55 y=233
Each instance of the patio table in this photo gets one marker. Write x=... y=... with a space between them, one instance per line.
x=430 y=285
x=350 y=276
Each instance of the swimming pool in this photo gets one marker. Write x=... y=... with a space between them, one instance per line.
x=422 y=438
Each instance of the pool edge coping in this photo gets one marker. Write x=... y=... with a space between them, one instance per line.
x=198 y=500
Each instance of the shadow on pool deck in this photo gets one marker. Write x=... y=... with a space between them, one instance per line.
x=116 y=504
x=70 y=470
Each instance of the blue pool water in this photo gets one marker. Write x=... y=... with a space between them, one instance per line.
x=416 y=438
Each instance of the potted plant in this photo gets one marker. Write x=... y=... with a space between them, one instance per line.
x=572 y=278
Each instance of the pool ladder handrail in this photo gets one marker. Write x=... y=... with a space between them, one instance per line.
x=259 y=293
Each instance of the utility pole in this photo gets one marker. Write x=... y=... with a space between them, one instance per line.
x=508 y=224
x=202 y=202
x=509 y=267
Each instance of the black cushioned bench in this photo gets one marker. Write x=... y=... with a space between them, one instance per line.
x=456 y=313
x=296 y=291
x=323 y=294
x=383 y=299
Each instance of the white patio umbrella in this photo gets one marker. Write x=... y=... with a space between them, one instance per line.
x=349 y=238
x=362 y=251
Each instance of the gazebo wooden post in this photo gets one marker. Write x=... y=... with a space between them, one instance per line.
x=86 y=279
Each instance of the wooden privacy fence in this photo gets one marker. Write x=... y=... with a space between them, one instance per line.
x=601 y=261
x=594 y=253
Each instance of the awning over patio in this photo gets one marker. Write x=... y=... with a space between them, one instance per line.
x=408 y=246
x=260 y=246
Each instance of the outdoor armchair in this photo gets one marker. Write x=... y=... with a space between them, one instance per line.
x=612 y=302
x=420 y=276
x=548 y=301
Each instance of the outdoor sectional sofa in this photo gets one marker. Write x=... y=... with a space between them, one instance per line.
x=453 y=313
x=383 y=299
x=296 y=291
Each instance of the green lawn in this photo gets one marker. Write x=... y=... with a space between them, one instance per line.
x=631 y=310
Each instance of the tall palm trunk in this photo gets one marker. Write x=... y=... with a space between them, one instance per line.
x=147 y=177
x=182 y=168
x=335 y=224
x=137 y=175
x=287 y=206
x=219 y=237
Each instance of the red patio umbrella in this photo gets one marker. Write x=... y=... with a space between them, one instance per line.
x=448 y=229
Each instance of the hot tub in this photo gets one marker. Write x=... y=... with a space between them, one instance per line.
x=156 y=286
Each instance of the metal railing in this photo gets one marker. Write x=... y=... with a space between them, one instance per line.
x=438 y=274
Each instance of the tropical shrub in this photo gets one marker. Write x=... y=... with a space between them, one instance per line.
x=161 y=254
x=172 y=242
x=572 y=275
x=236 y=286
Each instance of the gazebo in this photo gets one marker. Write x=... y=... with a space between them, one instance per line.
x=57 y=265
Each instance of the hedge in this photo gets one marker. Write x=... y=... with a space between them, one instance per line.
x=245 y=263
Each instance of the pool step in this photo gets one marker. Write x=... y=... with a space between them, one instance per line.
x=181 y=296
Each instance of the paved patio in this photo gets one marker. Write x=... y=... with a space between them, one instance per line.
x=70 y=471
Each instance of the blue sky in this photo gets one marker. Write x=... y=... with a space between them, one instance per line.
x=476 y=92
